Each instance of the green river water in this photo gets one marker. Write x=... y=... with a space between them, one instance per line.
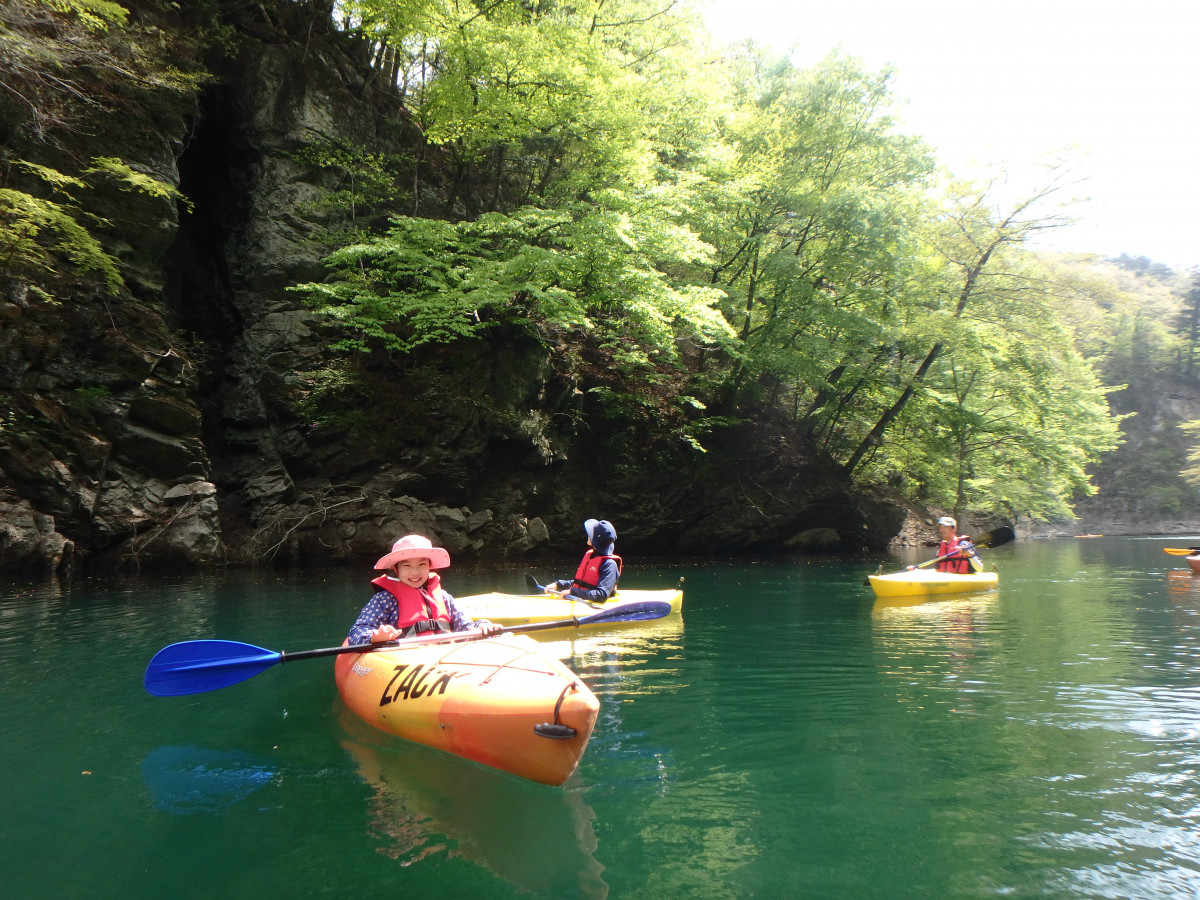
x=790 y=737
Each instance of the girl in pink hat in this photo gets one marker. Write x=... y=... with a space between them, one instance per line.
x=410 y=600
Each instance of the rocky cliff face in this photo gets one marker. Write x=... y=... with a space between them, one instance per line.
x=1140 y=489
x=203 y=419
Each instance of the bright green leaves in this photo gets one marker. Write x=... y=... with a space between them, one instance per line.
x=45 y=228
x=95 y=15
x=1007 y=423
x=132 y=180
x=356 y=180
x=1008 y=414
x=37 y=233
x=592 y=265
x=557 y=86
x=575 y=109
x=828 y=190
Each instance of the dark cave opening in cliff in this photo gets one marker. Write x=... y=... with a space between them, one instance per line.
x=197 y=282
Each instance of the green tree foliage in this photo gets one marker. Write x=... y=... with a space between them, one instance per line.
x=43 y=230
x=37 y=232
x=1012 y=412
x=1008 y=424
x=359 y=182
x=552 y=97
x=813 y=210
x=596 y=264
x=1187 y=326
x=607 y=175
x=61 y=61
x=588 y=228
x=1191 y=474
x=95 y=15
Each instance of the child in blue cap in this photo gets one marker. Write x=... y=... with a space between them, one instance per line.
x=596 y=578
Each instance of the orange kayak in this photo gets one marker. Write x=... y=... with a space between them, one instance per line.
x=498 y=701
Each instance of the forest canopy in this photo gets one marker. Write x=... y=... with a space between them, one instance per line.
x=660 y=190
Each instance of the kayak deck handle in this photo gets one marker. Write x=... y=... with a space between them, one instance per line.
x=556 y=729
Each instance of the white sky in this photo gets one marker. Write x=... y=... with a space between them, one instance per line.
x=1007 y=82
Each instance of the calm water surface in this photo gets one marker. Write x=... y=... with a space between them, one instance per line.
x=790 y=737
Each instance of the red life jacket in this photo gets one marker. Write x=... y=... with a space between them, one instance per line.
x=588 y=574
x=957 y=565
x=421 y=609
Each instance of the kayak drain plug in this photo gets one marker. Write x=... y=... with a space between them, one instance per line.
x=554 y=730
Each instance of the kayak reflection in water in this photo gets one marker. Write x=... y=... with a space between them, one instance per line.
x=425 y=803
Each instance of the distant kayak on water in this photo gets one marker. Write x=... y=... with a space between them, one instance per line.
x=925 y=582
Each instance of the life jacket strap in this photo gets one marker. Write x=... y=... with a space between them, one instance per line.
x=418 y=628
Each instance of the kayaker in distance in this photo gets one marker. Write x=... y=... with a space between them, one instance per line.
x=410 y=600
x=596 y=578
x=959 y=549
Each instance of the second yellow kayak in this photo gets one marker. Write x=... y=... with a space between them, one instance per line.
x=923 y=582
x=528 y=609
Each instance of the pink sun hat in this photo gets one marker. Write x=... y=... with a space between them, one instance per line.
x=413 y=546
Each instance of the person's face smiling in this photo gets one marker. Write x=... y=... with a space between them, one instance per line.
x=413 y=572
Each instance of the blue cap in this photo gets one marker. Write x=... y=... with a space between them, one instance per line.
x=600 y=532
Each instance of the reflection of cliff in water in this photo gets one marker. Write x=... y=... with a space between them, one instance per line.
x=623 y=664
x=538 y=838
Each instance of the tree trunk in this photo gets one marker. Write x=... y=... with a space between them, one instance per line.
x=875 y=437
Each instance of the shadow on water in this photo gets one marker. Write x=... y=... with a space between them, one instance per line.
x=189 y=779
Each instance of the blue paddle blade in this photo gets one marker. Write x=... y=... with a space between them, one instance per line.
x=192 y=667
x=629 y=612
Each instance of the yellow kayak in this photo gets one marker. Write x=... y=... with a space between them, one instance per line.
x=528 y=609
x=498 y=701
x=924 y=582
